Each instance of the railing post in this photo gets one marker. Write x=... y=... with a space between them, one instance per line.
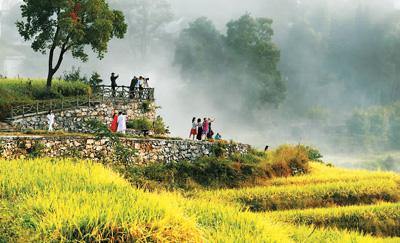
x=89 y=100
x=62 y=105
x=23 y=111
x=51 y=105
x=12 y=112
x=37 y=107
x=77 y=101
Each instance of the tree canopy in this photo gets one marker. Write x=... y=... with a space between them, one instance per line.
x=69 y=25
x=241 y=62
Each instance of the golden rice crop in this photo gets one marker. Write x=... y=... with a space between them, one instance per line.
x=60 y=200
x=380 y=219
x=323 y=174
x=271 y=198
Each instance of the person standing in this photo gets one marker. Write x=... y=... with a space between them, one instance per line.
x=210 y=132
x=193 y=131
x=114 y=124
x=146 y=82
x=132 y=87
x=205 y=128
x=113 y=79
x=141 y=88
x=121 y=123
x=50 y=120
x=199 y=129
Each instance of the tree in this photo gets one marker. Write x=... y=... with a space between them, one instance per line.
x=250 y=40
x=146 y=20
x=243 y=63
x=59 y=26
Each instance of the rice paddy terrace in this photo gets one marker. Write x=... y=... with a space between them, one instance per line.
x=55 y=200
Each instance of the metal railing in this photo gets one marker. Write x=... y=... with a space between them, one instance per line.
x=124 y=92
x=100 y=94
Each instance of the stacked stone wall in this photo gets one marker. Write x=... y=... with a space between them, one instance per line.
x=75 y=120
x=101 y=149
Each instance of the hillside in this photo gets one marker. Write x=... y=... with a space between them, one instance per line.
x=69 y=200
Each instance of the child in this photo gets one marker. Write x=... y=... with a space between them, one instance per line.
x=218 y=136
x=193 y=131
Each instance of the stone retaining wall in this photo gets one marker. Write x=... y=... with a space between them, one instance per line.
x=157 y=150
x=74 y=120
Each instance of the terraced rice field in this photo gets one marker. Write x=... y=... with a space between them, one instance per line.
x=64 y=200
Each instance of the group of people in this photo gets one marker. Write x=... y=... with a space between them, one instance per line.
x=202 y=130
x=119 y=123
x=136 y=83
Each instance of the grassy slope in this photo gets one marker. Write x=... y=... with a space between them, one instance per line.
x=22 y=91
x=45 y=200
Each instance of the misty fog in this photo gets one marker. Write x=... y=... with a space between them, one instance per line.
x=336 y=57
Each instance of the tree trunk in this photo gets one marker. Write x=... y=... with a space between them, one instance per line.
x=49 y=79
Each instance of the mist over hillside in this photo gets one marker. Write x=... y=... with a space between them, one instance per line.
x=336 y=57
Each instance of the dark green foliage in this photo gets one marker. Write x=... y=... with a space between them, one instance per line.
x=218 y=150
x=36 y=150
x=225 y=171
x=373 y=128
x=140 y=124
x=69 y=26
x=314 y=154
x=95 y=80
x=74 y=75
x=159 y=126
x=207 y=172
x=242 y=62
x=146 y=106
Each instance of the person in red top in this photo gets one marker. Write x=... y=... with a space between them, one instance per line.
x=114 y=124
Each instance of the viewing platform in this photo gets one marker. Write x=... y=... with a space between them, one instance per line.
x=99 y=95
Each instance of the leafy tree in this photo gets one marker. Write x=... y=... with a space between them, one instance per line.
x=250 y=39
x=59 y=26
x=241 y=63
x=200 y=50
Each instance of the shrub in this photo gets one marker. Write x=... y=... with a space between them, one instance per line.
x=159 y=126
x=313 y=154
x=146 y=106
x=140 y=124
x=36 y=150
x=288 y=160
x=218 y=149
x=74 y=75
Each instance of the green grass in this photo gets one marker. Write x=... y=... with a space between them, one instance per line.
x=23 y=91
x=381 y=219
x=72 y=201
x=220 y=169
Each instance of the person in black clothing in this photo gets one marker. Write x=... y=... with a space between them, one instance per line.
x=199 y=129
x=113 y=83
x=134 y=83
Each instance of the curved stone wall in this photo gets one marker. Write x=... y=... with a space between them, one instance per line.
x=161 y=150
x=74 y=120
